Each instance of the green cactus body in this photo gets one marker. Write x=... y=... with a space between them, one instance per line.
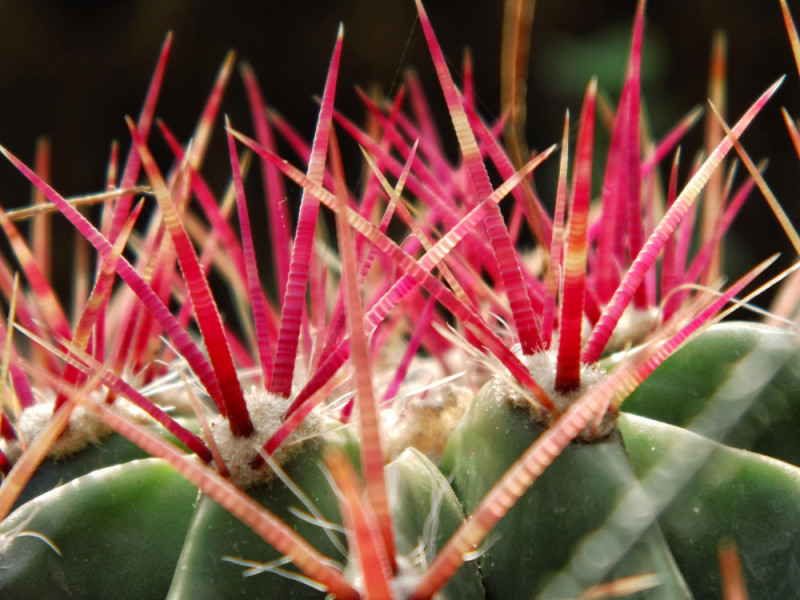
x=735 y=495
x=119 y=531
x=51 y=473
x=113 y=449
x=426 y=513
x=204 y=572
x=575 y=495
x=678 y=390
x=190 y=547
x=95 y=517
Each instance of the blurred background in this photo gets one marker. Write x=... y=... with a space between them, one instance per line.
x=72 y=70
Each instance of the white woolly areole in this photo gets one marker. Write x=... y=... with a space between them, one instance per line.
x=542 y=367
x=84 y=428
x=267 y=412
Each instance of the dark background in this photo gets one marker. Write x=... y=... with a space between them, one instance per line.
x=71 y=70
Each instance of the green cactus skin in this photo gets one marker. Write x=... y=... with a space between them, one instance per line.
x=122 y=530
x=572 y=497
x=128 y=530
x=113 y=450
x=422 y=499
x=740 y=496
x=215 y=533
x=119 y=531
x=678 y=390
x=414 y=486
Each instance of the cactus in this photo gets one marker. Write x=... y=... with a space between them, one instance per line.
x=317 y=448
